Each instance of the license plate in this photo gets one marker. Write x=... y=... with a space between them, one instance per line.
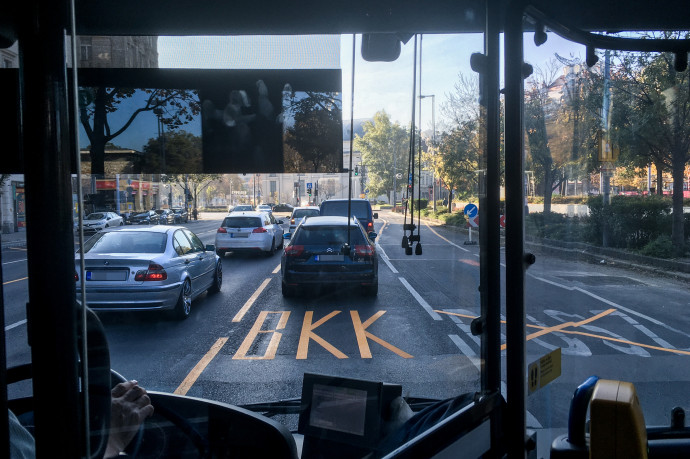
x=328 y=258
x=107 y=275
x=233 y=235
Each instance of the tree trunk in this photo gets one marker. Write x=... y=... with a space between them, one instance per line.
x=450 y=200
x=659 y=178
x=678 y=230
x=548 y=184
x=98 y=139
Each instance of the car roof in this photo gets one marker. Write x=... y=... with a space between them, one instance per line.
x=306 y=207
x=148 y=229
x=247 y=213
x=345 y=199
x=334 y=221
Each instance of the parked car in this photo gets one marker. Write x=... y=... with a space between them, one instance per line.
x=165 y=216
x=318 y=254
x=150 y=217
x=360 y=208
x=97 y=221
x=282 y=208
x=180 y=215
x=241 y=208
x=156 y=268
x=249 y=232
x=300 y=213
x=264 y=208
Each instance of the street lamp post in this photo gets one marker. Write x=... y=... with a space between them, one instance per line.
x=433 y=141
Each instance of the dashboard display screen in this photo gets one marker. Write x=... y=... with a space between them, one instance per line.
x=338 y=408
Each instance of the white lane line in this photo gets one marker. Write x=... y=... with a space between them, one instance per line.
x=15 y=325
x=15 y=261
x=660 y=341
x=420 y=300
x=386 y=260
x=462 y=325
x=612 y=304
x=467 y=350
x=451 y=243
x=250 y=301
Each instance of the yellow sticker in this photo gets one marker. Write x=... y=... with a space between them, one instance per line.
x=543 y=371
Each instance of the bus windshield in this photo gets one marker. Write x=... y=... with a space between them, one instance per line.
x=587 y=156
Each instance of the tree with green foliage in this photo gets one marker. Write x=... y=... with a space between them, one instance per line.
x=174 y=107
x=385 y=153
x=181 y=151
x=457 y=158
x=313 y=137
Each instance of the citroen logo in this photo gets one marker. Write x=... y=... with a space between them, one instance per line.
x=330 y=250
x=106 y=263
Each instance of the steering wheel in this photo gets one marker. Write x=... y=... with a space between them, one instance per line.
x=134 y=447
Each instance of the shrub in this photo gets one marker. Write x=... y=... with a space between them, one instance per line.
x=558 y=199
x=554 y=226
x=455 y=219
x=421 y=203
x=633 y=221
x=661 y=247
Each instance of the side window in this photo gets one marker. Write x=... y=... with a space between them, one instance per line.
x=273 y=219
x=181 y=243
x=196 y=242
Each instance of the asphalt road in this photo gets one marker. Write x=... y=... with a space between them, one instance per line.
x=249 y=344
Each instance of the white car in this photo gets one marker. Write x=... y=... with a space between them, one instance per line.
x=300 y=213
x=98 y=221
x=264 y=208
x=249 y=232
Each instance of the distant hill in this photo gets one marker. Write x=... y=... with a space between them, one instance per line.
x=358 y=128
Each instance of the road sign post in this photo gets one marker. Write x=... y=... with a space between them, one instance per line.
x=472 y=214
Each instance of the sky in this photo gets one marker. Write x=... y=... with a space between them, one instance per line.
x=378 y=85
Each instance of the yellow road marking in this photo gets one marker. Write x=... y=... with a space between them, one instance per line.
x=251 y=301
x=362 y=335
x=308 y=333
x=573 y=332
x=275 y=271
x=199 y=368
x=16 y=280
x=270 y=354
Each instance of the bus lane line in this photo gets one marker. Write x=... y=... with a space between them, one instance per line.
x=193 y=375
x=15 y=261
x=384 y=255
x=448 y=241
x=574 y=332
x=240 y=314
x=434 y=315
x=15 y=325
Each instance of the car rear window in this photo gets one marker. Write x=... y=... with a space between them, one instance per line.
x=359 y=209
x=299 y=213
x=242 y=222
x=328 y=235
x=126 y=242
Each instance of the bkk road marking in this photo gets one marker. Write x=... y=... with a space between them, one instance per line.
x=270 y=354
x=277 y=270
x=573 y=332
x=16 y=280
x=251 y=301
x=193 y=375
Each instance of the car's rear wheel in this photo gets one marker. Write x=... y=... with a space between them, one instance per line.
x=272 y=250
x=184 y=302
x=288 y=291
x=371 y=290
x=217 y=278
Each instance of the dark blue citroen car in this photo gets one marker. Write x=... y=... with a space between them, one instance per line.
x=319 y=253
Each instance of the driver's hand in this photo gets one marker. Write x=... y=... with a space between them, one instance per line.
x=129 y=407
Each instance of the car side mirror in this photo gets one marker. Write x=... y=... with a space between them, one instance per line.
x=376 y=215
x=287 y=236
x=280 y=222
x=210 y=248
x=372 y=235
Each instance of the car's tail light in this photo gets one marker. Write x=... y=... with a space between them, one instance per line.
x=292 y=221
x=364 y=250
x=370 y=227
x=76 y=277
x=294 y=250
x=154 y=273
x=221 y=230
x=260 y=229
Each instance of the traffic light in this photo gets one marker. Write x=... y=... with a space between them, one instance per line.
x=356 y=171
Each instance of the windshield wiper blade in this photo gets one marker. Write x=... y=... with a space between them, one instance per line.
x=269 y=409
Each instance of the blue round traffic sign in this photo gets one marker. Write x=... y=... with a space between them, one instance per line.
x=470 y=210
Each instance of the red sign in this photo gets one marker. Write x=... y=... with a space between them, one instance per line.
x=474 y=221
x=105 y=184
x=502 y=221
x=145 y=185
